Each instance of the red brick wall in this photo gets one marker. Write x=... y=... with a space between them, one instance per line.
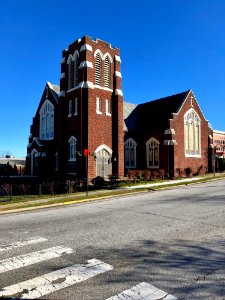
x=92 y=129
x=177 y=123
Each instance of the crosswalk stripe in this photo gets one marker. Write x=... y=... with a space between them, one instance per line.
x=32 y=258
x=54 y=281
x=34 y=240
x=143 y=291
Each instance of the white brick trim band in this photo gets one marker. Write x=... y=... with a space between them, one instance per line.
x=62 y=75
x=86 y=64
x=117 y=58
x=118 y=74
x=169 y=142
x=63 y=60
x=86 y=47
x=118 y=92
x=169 y=131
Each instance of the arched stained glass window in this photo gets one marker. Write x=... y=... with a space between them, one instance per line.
x=130 y=153
x=72 y=148
x=46 y=121
x=152 y=153
x=192 y=133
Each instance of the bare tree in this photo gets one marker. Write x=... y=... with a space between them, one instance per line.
x=6 y=154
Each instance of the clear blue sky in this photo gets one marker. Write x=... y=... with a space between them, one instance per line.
x=167 y=46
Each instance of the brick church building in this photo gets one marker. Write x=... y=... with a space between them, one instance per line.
x=87 y=111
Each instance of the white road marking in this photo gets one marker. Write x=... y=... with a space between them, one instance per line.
x=32 y=258
x=54 y=281
x=143 y=291
x=34 y=240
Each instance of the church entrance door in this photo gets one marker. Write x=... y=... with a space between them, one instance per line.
x=103 y=163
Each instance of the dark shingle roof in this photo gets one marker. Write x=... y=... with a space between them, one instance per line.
x=154 y=114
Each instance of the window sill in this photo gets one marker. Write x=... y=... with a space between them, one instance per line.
x=72 y=159
x=189 y=155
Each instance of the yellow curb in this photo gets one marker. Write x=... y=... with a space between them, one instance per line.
x=64 y=203
x=142 y=190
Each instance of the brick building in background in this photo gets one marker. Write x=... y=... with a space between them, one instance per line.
x=87 y=112
x=219 y=143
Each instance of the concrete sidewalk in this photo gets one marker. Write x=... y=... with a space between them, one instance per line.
x=167 y=182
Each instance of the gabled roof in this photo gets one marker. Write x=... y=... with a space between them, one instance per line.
x=55 y=89
x=127 y=110
x=154 y=114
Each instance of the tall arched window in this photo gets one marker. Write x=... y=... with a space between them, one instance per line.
x=192 y=136
x=152 y=153
x=130 y=153
x=107 y=71
x=98 y=68
x=72 y=148
x=47 y=121
x=34 y=162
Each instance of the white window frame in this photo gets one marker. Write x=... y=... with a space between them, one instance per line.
x=192 y=134
x=108 y=107
x=72 y=148
x=130 y=154
x=70 y=108
x=46 y=126
x=152 y=146
x=98 y=105
x=76 y=107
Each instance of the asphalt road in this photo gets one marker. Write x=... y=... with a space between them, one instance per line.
x=173 y=239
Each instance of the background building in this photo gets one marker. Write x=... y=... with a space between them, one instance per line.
x=219 y=143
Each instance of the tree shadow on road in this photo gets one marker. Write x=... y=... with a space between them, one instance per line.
x=186 y=269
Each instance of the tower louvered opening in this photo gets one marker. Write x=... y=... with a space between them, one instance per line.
x=98 y=69
x=76 y=70
x=71 y=75
x=107 y=72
